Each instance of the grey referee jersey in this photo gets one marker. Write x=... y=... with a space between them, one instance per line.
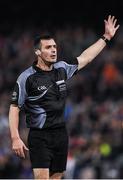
x=43 y=94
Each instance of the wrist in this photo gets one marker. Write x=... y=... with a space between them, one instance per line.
x=15 y=138
x=107 y=40
x=107 y=37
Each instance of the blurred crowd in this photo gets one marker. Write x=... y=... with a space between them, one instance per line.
x=94 y=107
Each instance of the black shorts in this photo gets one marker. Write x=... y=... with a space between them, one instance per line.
x=48 y=148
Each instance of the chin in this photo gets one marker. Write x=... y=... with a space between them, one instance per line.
x=53 y=60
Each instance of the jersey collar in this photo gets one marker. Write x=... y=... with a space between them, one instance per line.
x=38 y=69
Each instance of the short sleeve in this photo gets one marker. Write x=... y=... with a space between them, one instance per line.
x=70 y=69
x=19 y=94
x=15 y=95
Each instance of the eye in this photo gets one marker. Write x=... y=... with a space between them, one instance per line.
x=55 y=46
x=48 y=47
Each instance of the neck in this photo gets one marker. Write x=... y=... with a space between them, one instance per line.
x=45 y=66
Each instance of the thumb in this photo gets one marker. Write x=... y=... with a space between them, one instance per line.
x=25 y=148
x=105 y=21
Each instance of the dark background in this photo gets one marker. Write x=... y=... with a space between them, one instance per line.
x=25 y=14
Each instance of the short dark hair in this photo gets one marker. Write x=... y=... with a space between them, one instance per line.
x=38 y=38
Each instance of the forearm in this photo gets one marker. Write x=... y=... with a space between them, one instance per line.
x=14 y=122
x=90 y=53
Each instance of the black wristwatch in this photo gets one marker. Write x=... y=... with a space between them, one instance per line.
x=105 y=39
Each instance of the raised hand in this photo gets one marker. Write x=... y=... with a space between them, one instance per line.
x=110 y=27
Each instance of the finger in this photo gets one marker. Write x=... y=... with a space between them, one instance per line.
x=117 y=27
x=112 y=19
x=17 y=152
x=115 y=22
x=109 y=17
x=22 y=153
x=25 y=148
x=105 y=23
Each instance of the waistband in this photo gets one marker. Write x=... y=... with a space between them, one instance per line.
x=54 y=127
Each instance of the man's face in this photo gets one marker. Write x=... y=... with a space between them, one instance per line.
x=48 y=50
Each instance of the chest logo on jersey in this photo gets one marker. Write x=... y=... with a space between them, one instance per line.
x=42 y=88
x=61 y=84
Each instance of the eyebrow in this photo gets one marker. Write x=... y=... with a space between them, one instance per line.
x=48 y=46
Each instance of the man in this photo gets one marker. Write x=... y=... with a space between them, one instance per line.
x=41 y=90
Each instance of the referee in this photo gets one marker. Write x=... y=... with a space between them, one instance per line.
x=41 y=90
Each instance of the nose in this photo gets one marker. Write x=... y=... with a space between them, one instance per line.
x=53 y=49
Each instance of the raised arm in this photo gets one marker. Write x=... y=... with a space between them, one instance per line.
x=17 y=144
x=90 y=53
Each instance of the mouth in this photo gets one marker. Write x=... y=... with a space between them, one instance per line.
x=53 y=56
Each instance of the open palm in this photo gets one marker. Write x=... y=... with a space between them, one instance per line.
x=110 y=27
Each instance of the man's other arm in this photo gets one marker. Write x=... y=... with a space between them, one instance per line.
x=17 y=144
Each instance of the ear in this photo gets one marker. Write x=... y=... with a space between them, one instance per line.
x=37 y=52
